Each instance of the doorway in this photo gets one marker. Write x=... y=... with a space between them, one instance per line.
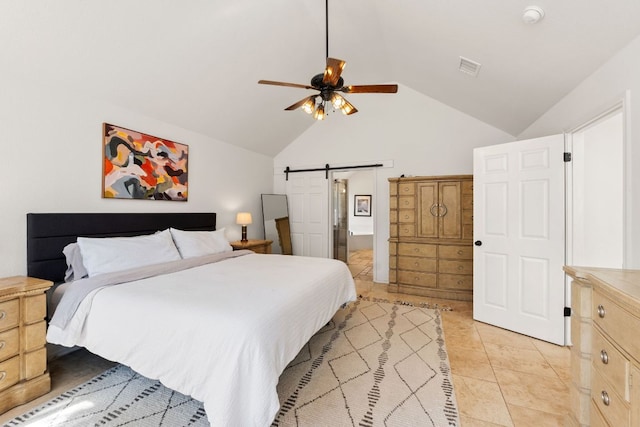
x=595 y=198
x=353 y=229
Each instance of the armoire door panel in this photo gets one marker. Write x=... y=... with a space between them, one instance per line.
x=449 y=211
x=427 y=214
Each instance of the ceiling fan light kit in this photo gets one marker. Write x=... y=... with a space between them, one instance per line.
x=328 y=84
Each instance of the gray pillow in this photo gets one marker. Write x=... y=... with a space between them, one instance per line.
x=75 y=267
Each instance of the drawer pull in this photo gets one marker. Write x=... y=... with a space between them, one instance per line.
x=601 y=311
x=460 y=282
x=2 y=344
x=417 y=264
x=460 y=252
x=605 y=398
x=604 y=357
x=406 y=217
x=460 y=268
x=3 y=314
x=3 y=374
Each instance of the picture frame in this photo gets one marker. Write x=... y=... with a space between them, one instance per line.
x=362 y=205
x=141 y=166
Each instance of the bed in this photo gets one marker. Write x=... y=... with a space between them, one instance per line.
x=220 y=327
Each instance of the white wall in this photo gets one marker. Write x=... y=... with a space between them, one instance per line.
x=414 y=134
x=51 y=162
x=618 y=79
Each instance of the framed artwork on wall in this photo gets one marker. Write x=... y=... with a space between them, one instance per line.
x=362 y=205
x=142 y=166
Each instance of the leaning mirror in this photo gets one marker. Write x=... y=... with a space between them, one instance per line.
x=274 y=206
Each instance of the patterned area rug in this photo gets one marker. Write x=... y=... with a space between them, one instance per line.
x=374 y=364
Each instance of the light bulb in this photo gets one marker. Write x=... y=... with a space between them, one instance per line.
x=337 y=100
x=319 y=114
x=309 y=105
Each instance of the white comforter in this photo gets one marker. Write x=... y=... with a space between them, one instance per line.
x=221 y=333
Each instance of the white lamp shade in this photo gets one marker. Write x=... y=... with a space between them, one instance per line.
x=243 y=218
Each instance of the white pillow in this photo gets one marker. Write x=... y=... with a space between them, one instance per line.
x=198 y=243
x=106 y=255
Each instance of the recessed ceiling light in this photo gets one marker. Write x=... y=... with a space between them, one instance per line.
x=532 y=14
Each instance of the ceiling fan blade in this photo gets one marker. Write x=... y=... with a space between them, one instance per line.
x=300 y=103
x=370 y=89
x=333 y=71
x=271 y=82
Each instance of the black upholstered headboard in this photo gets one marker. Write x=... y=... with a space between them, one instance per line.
x=49 y=233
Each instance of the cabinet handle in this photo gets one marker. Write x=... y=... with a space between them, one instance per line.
x=432 y=208
x=605 y=398
x=445 y=210
x=406 y=217
x=460 y=252
x=460 y=282
x=601 y=311
x=3 y=314
x=2 y=344
x=3 y=374
x=460 y=268
x=604 y=357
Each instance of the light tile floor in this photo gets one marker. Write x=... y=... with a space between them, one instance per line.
x=500 y=378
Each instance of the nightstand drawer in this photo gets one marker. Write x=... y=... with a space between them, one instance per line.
x=9 y=343
x=616 y=323
x=35 y=336
x=35 y=308
x=35 y=363
x=9 y=314
x=9 y=372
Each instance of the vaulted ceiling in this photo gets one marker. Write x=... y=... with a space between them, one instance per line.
x=196 y=63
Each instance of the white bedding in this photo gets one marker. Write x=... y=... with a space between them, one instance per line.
x=221 y=333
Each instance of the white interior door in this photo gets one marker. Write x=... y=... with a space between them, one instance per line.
x=308 y=195
x=519 y=232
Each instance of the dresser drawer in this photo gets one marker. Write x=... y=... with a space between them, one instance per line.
x=406 y=202
x=417 y=264
x=406 y=188
x=9 y=372
x=455 y=281
x=610 y=363
x=455 y=267
x=9 y=314
x=596 y=417
x=417 y=278
x=613 y=408
x=616 y=323
x=406 y=215
x=406 y=230
x=455 y=252
x=9 y=343
x=417 y=249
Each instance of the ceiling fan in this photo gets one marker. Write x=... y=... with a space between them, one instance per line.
x=329 y=84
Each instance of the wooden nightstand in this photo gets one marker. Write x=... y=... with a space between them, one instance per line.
x=257 y=246
x=23 y=356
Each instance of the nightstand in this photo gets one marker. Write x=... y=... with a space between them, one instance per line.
x=257 y=246
x=23 y=356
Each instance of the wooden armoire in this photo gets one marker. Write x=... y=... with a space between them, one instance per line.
x=431 y=236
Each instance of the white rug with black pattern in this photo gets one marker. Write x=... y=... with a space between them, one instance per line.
x=374 y=364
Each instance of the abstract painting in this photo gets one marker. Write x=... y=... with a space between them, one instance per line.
x=141 y=166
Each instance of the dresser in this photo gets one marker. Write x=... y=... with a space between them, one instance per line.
x=257 y=246
x=605 y=355
x=23 y=356
x=431 y=234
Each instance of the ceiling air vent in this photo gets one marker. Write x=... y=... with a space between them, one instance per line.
x=468 y=66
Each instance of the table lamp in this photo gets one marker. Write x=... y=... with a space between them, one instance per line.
x=243 y=219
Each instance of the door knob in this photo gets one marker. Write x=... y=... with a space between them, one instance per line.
x=478 y=243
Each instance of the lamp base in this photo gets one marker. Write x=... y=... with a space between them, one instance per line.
x=244 y=234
